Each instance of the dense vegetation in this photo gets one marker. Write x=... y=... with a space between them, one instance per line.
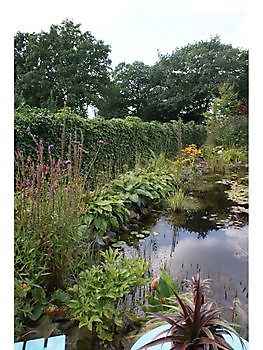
x=109 y=146
x=79 y=182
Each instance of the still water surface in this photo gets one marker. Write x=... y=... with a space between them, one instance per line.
x=212 y=240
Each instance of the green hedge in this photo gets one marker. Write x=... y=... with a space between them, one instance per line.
x=127 y=141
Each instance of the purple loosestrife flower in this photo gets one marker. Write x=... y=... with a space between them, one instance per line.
x=53 y=187
x=102 y=142
x=59 y=162
x=40 y=168
x=28 y=183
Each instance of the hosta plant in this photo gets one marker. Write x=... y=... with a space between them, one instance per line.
x=197 y=326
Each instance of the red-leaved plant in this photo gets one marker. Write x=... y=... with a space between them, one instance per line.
x=197 y=326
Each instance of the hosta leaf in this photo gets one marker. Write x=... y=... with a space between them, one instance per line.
x=100 y=224
x=134 y=198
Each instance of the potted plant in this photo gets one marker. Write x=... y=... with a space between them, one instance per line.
x=192 y=325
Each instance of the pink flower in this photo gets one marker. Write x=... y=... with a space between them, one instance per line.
x=53 y=187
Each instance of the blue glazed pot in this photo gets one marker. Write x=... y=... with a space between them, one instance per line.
x=149 y=336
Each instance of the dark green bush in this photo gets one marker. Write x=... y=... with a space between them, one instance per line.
x=111 y=146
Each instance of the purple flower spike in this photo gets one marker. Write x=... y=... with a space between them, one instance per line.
x=59 y=162
x=53 y=187
x=40 y=168
x=28 y=183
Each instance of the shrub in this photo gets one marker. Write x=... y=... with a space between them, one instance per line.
x=96 y=295
x=227 y=124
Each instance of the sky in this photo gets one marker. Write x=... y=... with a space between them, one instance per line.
x=138 y=29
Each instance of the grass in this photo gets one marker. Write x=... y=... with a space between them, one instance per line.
x=179 y=201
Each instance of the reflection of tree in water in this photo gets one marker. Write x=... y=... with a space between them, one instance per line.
x=174 y=240
x=193 y=222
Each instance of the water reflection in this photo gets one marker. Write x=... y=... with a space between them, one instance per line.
x=221 y=256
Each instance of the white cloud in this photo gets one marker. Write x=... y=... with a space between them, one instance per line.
x=241 y=36
x=226 y=7
x=100 y=13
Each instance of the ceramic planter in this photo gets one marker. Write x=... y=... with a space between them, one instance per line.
x=151 y=335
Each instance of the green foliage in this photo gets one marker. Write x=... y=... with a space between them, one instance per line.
x=109 y=208
x=178 y=201
x=104 y=213
x=226 y=125
x=109 y=146
x=129 y=92
x=62 y=66
x=180 y=84
x=163 y=288
x=220 y=159
x=96 y=296
x=50 y=248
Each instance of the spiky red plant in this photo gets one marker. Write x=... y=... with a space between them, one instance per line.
x=197 y=326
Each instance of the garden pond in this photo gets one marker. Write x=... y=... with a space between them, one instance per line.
x=212 y=240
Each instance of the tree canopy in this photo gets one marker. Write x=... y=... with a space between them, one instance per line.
x=183 y=83
x=68 y=67
x=62 y=66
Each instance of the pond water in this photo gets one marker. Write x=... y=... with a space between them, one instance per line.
x=212 y=240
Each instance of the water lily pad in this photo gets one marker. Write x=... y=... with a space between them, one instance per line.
x=119 y=244
x=135 y=233
x=238 y=193
x=239 y=209
x=139 y=235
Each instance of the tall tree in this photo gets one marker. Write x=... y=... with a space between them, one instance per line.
x=189 y=78
x=62 y=66
x=181 y=84
x=130 y=90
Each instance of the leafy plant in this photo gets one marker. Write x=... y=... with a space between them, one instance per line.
x=226 y=125
x=162 y=288
x=49 y=245
x=220 y=159
x=197 y=326
x=99 y=289
x=104 y=213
